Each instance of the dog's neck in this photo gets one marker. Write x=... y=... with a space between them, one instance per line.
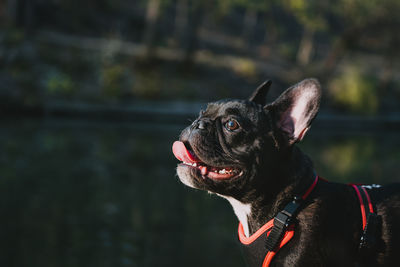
x=295 y=176
x=243 y=212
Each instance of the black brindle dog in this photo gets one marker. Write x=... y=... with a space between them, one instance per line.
x=244 y=151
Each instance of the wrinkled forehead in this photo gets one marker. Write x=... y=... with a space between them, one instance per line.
x=241 y=108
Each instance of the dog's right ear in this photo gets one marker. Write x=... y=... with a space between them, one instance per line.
x=259 y=96
x=295 y=109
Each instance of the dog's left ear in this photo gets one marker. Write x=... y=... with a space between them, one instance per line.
x=259 y=96
x=295 y=109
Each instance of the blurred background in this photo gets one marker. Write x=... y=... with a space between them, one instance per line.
x=93 y=94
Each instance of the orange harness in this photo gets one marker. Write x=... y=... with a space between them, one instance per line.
x=274 y=234
x=277 y=232
x=266 y=228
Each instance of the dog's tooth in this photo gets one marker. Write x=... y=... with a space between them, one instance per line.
x=194 y=164
x=204 y=170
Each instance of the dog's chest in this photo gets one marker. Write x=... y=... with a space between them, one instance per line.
x=242 y=211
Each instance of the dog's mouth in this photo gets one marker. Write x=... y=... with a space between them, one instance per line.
x=189 y=158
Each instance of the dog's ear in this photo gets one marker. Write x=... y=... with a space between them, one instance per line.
x=295 y=109
x=259 y=96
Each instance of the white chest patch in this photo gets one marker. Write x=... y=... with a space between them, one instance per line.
x=242 y=211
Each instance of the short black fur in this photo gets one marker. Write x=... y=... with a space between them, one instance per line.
x=271 y=169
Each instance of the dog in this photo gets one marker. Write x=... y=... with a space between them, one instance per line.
x=245 y=151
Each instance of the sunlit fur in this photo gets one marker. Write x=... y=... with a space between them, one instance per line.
x=273 y=170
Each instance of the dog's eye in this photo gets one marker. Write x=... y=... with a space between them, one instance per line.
x=231 y=125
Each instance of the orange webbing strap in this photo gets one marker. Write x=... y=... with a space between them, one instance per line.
x=273 y=235
x=248 y=240
x=286 y=238
x=311 y=188
x=371 y=209
x=371 y=222
x=363 y=215
x=365 y=209
x=266 y=228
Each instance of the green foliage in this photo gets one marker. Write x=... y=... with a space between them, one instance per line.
x=58 y=83
x=245 y=68
x=353 y=158
x=116 y=79
x=148 y=84
x=259 y=5
x=358 y=12
x=288 y=50
x=347 y=158
x=13 y=37
x=225 y=6
x=72 y=56
x=355 y=91
x=309 y=13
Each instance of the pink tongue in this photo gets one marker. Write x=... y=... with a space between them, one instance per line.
x=182 y=154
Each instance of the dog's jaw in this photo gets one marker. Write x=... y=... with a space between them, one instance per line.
x=185 y=176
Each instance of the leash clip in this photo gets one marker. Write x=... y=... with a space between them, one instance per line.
x=285 y=216
x=281 y=222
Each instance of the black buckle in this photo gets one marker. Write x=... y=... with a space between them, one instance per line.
x=291 y=208
x=281 y=222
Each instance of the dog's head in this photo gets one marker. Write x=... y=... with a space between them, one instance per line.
x=235 y=146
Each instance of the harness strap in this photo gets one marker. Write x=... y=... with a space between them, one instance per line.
x=274 y=234
x=370 y=221
x=277 y=232
x=285 y=218
x=365 y=210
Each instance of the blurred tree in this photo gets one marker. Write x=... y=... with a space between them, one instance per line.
x=196 y=15
x=311 y=16
x=251 y=8
x=21 y=13
x=367 y=24
x=322 y=35
x=152 y=14
x=181 y=21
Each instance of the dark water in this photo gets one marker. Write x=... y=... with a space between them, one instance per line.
x=75 y=193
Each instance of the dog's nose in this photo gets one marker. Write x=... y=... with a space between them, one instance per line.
x=200 y=124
